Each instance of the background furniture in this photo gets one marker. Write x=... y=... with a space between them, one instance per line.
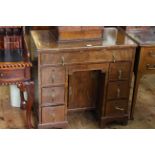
x=145 y=56
x=78 y=76
x=15 y=65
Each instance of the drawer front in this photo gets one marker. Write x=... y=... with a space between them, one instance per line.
x=53 y=114
x=53 y=95
x=116 y=108
x=13 y=75
x=52 y=76
x=119 y=71
x=77 y=57
x=118 y=90
x=148 y=56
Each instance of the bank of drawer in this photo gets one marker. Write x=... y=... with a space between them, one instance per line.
x=86 y=56
x=53 y=114
x=116 y=108
x=119 y=71
x=117 y=90
x=53 y=95
x=52 y=76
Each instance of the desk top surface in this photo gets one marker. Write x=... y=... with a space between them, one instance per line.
x=144 y=37
x=112 y=37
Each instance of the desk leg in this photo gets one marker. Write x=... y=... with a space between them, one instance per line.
x=135 y=92
x=30 y=94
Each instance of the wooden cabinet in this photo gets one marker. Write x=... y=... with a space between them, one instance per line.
x=80 y=77
x=145 y=57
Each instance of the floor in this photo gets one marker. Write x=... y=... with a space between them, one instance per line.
x=11 y=117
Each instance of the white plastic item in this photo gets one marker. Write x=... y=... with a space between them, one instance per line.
x=15 y=96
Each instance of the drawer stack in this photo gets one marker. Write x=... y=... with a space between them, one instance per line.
x=118 y=90
x=55 y=67
x=53 y=107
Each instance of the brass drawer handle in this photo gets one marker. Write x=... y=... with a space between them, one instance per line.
x=118 y=108
x=119 y=74
x=53 y=94
x=53 y=78
x=113 y=58
x=62 y=60
x=118 y=92
x=150 y=67
x=1 y=75
x=152 y=53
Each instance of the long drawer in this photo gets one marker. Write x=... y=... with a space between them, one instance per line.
x=116 y=108
x=81 y=57
x=52 y=76
x=118 y=90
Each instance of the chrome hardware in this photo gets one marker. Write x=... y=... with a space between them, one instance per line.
x=117 y=108
x=118 y=92
x=119 y=74
x=62 y=60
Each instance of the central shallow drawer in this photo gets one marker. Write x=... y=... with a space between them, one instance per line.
x=53 y=95
x=78 y=57
x=53 y=114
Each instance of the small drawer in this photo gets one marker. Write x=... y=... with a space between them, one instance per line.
x=52 y=76
x=118 y=90
x=53 y=114
x=116 y=108
x=148 y=56
x=119 y=71
x=53 y=95
x=14 y=75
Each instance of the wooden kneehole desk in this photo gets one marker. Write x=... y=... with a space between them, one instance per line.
x=74 y=77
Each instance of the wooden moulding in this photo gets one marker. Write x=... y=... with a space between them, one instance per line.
x=78 y=33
